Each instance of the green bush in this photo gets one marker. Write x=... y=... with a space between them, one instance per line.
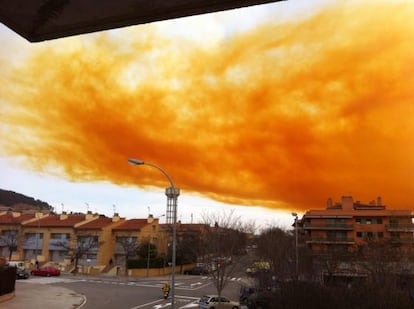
x=143 y=263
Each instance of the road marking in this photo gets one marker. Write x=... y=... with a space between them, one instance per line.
x=48 y=280
x=147 y=304
x=168 y=304
x=191 y=305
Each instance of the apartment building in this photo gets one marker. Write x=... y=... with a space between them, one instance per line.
x=349 y=224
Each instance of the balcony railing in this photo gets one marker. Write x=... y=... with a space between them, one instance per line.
x=328 y=226
x=395 y=240
x=339 y=241
x=400 y=227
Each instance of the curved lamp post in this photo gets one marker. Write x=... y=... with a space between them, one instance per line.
x=174 y=222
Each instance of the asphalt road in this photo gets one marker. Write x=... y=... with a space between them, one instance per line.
x=142 y=293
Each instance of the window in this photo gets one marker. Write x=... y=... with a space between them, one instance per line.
x=359 y=234
x=393 y=221
x=60 y=236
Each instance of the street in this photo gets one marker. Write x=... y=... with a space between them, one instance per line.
x=138 y=293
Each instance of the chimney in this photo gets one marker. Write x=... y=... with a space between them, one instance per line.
x=38 y=215
x=329 y=203
x=63 y=216
x=116 y=217
x=89 y=215
x=16 y=214
x=150 y=218
x=379 y=201
x=347 y=202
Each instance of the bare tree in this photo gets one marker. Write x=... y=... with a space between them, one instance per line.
x=84 y=244
x=225 y=241
x=10 y=239
x=129 y=246
x=277 y=246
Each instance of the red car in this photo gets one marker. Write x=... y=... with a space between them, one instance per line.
x=46 y=271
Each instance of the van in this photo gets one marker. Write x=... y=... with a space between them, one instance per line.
x=17 y=264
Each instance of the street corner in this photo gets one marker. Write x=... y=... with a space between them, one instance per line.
x=76 y=300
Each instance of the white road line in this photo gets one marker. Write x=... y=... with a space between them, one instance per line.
x=147 y=304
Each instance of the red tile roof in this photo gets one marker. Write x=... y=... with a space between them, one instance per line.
x=132 y=224
x=56 y=221
x=96 y=224
x=8 y=218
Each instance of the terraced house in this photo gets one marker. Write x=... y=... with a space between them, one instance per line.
x=74 y=239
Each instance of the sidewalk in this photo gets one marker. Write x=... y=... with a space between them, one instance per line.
x=39 y=296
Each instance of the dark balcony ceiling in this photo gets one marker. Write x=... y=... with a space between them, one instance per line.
x=39 y=20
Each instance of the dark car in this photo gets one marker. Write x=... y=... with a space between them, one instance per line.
x=196 y=271
x=22 y=273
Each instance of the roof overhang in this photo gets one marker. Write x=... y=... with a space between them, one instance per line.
x=39 y=20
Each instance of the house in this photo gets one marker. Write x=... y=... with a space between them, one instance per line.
x=128 y=235
x=11 y=239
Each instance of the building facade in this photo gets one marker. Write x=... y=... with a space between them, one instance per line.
x=350 y=239
x=75 y=238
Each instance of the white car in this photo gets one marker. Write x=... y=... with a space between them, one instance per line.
x=214 y=302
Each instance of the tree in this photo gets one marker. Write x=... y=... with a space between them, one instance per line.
x=278 y=247
x=225 y=239
x=189 y=246
x=9 y=239
x=147 y=250
x=129 y=245
x=84 y=244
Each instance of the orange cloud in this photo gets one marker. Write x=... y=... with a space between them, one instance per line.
x=285 y=115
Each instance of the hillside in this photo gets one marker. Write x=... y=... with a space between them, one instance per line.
x=18 y=202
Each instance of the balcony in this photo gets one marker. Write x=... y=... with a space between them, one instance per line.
x=400 y=227
x=396 y=240
x=334 y=241
x=329 y=226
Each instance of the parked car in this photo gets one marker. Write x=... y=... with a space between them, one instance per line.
x=196 y=271
x=46 y=271
x=214 y=302
x=18 y=264
x=22 y=273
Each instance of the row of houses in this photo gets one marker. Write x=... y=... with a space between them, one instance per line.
x=342 y=227
x=97 y=239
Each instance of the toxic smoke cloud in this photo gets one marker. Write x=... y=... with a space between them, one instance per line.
x=283 y=115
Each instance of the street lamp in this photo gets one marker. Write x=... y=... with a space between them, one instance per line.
x=296 y=244
x=170 y=193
